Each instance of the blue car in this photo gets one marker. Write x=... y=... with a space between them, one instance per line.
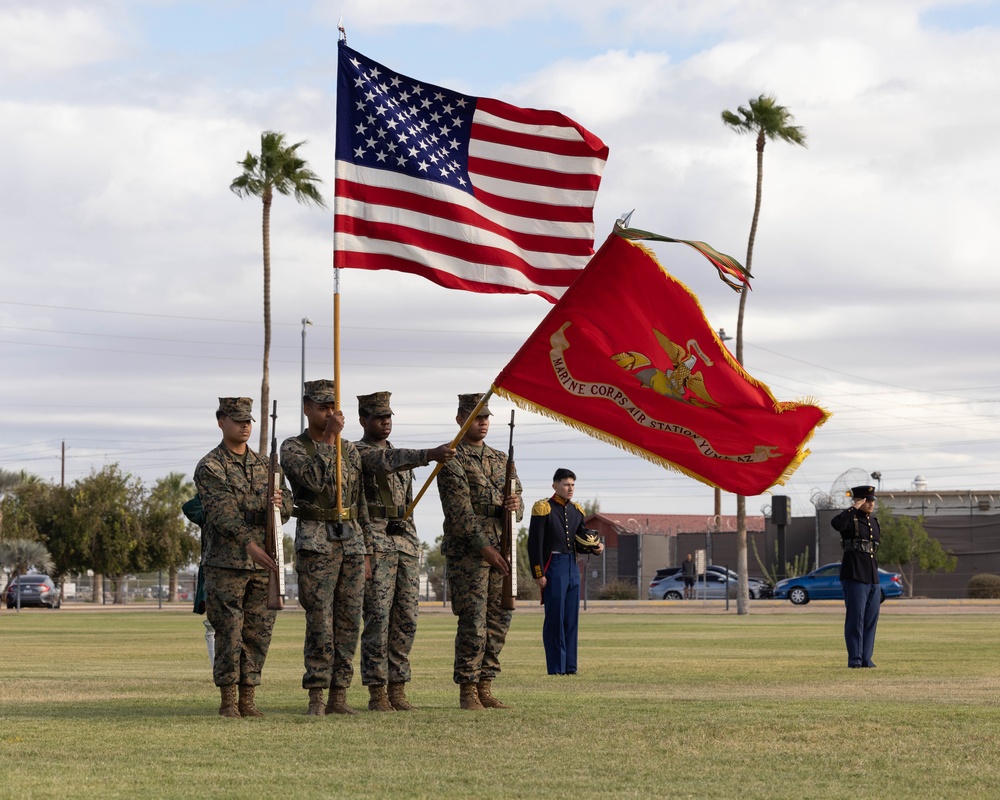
x=824 y=584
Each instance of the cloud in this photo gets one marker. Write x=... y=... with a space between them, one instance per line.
x=610 y=87
x=40 y=41
x=873 y=257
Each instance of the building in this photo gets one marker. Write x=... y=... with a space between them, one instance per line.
x=636 y=545
x=965 y=521
x=921 y=501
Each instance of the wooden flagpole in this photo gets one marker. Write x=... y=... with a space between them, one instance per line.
x=336 y=331
x=336 y=383
x=454 y=443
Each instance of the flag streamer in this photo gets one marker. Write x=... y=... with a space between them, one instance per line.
x=726 y=265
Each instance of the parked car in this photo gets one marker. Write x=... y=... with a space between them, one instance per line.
x=666 y=572
x=824 y=584
x=712 y=585
x=757 y=587
x=36 y=590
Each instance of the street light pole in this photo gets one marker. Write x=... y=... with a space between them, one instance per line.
x=302 y=387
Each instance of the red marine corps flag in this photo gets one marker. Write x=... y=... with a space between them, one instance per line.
x=628 y=357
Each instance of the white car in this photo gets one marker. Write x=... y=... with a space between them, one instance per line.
x=669 y=585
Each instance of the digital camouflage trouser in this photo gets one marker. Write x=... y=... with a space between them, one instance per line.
x=391 y=607
x=330 y=590
x=236 y=605
x=476 y=590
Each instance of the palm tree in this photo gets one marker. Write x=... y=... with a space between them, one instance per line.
x=278 y=168
x=765 y=119
x=172 y=544
x=9 y=480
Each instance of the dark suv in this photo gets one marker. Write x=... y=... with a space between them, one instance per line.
x=35 y=590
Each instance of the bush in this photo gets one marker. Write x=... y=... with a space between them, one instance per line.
x=527 y=589
x=984 y=587
x=617 y=590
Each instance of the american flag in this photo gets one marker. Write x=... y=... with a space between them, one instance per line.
x=469 y=192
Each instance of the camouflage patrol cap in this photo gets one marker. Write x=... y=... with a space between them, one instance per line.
x=320 y=391
x=375 y=404
x=236 y=408
x=467 y=404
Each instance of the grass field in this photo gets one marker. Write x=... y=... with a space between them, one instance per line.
x=115 y=705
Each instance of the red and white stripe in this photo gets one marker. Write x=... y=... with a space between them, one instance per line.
x=527 y=227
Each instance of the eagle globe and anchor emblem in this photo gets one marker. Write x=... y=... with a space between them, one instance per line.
x=680 y=382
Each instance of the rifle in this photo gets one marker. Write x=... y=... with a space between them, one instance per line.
x=273 y=536
x=508 y=542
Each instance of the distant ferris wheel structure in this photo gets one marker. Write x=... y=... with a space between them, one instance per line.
x=841 y=489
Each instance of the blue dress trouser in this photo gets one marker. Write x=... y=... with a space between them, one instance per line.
x=562 y=613
x=863 y=601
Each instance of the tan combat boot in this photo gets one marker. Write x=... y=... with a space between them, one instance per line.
x=338 y=702
x=469 y=698
x=379 y=699
x=229 y=707
x=316 y=707
x=397 y=696
x=246 y=705
x=486 y=695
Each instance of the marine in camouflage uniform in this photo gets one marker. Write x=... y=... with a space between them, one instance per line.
x=472 y=497
x=332 y=555
x=232 y=485
x=391 y=602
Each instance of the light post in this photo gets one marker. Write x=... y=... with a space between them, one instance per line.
x=302 y=387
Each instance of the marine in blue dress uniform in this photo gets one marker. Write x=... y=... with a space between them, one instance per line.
x=860 y=537
x=552 y=553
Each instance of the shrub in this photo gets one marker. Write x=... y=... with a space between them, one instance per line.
x=527 y=589
x=984 y=587
x=617 y=590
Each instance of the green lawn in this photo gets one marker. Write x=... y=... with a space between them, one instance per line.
x=121 y=704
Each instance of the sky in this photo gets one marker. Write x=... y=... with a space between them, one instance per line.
x=131 y=279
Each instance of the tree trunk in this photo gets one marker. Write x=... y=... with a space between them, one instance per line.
x=172 y=583
x=743 y=590
x=742 y=585
x=265 y=399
